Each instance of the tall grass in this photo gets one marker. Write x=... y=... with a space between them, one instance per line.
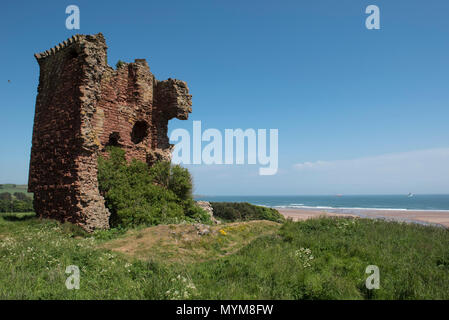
x=327 y=258
x=316 y=259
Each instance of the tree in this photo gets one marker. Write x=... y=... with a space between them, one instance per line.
x=20 y=195
x=173 y=177
x=22 y=206
x=5 y=196
x=5 y=205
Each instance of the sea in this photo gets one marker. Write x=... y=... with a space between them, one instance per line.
x=344 y=203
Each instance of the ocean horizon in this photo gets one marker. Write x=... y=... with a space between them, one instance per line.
x=416 y=202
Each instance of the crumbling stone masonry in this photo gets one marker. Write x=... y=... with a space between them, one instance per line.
x=84 y=105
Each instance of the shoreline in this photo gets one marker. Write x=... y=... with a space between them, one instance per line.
x=426 y=217
x=342 y=209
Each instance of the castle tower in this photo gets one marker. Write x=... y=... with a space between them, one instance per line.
x=84 y=105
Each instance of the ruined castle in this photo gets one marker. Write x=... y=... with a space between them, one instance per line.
x=83 y=105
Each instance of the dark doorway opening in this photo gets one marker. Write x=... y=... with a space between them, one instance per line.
x=114 y=139
x=139 y=132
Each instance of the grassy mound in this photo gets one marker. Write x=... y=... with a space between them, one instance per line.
x=182 y=244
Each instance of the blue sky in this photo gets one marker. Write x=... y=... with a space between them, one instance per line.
x=358 y=111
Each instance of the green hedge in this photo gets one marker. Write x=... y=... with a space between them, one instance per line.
x=244 y=211
x=138 y=195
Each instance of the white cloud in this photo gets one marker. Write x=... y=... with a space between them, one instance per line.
x=424 y=171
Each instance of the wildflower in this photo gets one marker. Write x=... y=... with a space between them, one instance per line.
x=305 y=256
x=183 y=288
x=223 y=232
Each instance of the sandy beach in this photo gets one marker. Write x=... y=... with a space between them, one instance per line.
x=424 y=216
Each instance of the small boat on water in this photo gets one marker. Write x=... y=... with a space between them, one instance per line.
x=410 y=195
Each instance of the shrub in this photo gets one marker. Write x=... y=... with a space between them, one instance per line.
x=5 y=206
x=194 y=212
x=22 y=205
x=243 y=211
x=20 y=196
x=19 y=204
x=17 y=216
x=119 y=64
x=174 y=178
x=5 y=196
x=138 y=195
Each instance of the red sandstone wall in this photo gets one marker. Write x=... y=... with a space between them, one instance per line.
x=56 y=136
x=82 y=106
x=126 y=98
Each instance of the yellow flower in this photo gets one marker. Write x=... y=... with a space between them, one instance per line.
x=223 y=232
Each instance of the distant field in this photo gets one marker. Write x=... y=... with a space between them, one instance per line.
x=11 y=188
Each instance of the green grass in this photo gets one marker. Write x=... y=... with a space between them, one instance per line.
x=413 y=262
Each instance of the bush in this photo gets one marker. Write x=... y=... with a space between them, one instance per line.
x=138 y=195
x=174 y=178
x=119 y=64
x=17 y=216
x=5 y=196
x=195 y=213
x=20 y=195
x=5 y=206
x=243 y=211
x=19 y=204
x=22 y=205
